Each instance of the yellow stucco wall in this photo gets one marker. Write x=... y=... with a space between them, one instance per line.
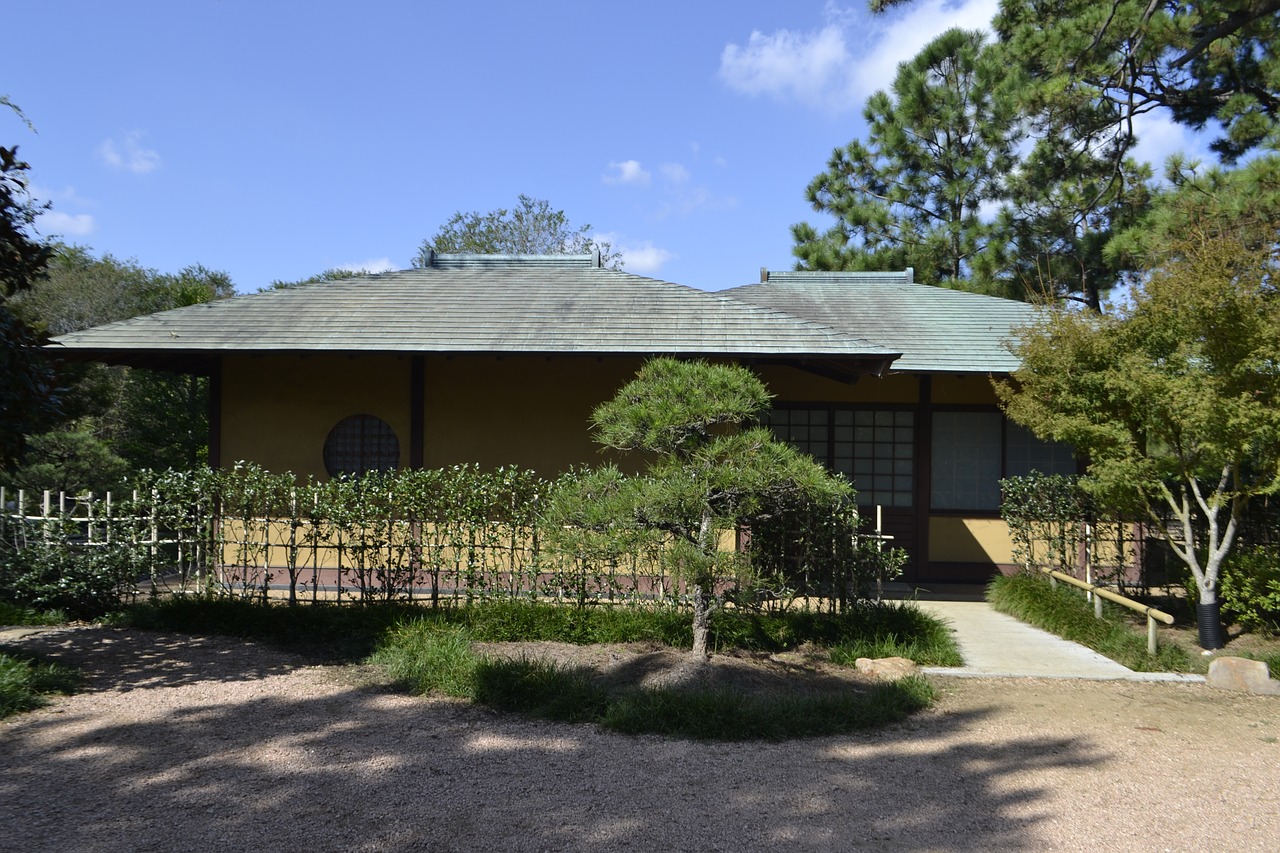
x=966 y=389
x=277 y=410
x=969 y=540
x=528 y=411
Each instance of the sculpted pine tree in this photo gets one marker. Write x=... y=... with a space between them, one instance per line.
x=708 y=469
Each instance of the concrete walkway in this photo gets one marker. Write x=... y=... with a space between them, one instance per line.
x=995 y=645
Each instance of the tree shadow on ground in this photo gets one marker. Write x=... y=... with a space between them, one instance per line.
x=278 y=757
x=123 y=660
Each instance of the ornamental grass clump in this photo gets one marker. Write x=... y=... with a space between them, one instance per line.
x=26 y=681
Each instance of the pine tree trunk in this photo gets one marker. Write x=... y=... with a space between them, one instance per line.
x=701 y=621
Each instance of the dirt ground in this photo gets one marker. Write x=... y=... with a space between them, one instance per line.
x=181 y=742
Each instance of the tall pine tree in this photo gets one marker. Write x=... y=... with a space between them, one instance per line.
x=938 y=146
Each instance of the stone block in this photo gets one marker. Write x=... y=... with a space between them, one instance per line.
x=1248 y=676
x=887 y=669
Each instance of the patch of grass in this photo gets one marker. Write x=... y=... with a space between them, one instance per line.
x=1272 y=660
x=1065 y=612
x=328 y=632
x=429 y=658
x=350 y=632
x=25 y=681
x=513 y=621
x=436 y=658
x=1255 y=644
x=896 y=629
x=541 y=689
x=727 y=715
x=429 y=651
x=13 y=614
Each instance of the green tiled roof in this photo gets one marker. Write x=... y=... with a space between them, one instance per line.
x=937 y=330
x=475 y=304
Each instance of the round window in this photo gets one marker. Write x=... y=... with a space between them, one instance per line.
x=361 y=443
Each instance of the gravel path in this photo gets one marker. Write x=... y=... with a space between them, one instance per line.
x=216 y=745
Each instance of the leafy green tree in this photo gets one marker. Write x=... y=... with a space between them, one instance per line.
x=938 y=147
x=707 y=470
x=71 y=462
x=26 y=382
x=151 y=419
x=531 y=228
x=318 y=278
x=1174 y=398
x=81 y=290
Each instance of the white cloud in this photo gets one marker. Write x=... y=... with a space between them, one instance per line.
x=627 y=172
x=855 y=53
x=682 y=201
x=674 y=173
x=65 y=196
x=679 y=195
x=643 y=257
x=787 y=64
x=376 y=265
x=55 y=222
x=128 y=154
x=1159 y=136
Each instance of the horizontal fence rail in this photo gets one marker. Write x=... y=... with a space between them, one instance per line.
x=1099 y=593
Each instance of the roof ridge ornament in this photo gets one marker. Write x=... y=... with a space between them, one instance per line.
x=459 y=260
x=853 y=277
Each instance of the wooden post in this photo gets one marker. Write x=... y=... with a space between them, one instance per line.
x=1151 y=635
x=1088 y=569
x=88 y=514
x=155 y=540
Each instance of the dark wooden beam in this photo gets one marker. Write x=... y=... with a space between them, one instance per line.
x=417 y=409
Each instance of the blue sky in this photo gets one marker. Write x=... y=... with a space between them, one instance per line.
x=275 y=139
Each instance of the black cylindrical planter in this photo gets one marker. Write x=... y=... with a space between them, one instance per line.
x=1209 y=624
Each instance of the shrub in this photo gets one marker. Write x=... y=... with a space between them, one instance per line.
x=85 y=582
x=1250 y=588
